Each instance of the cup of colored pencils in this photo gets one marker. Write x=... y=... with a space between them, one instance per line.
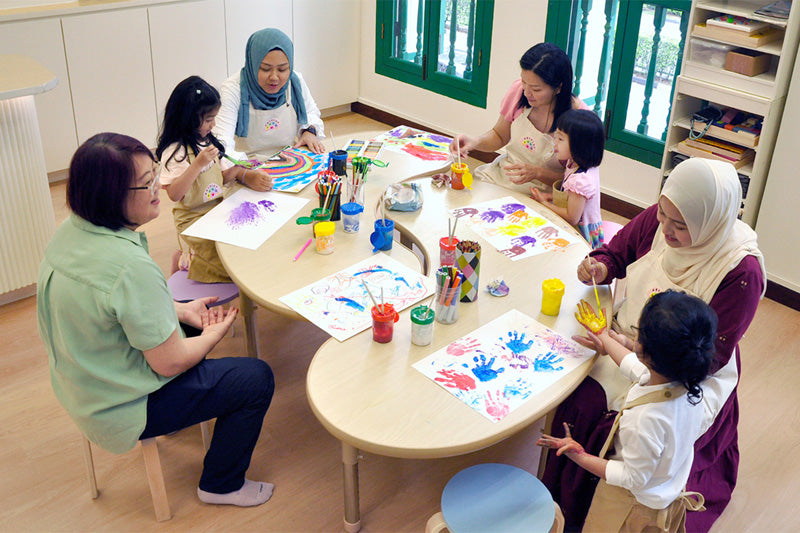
x=329 y=188
x=448 y=293
x=468 y=261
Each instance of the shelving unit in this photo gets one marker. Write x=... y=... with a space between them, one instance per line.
x=704 y=81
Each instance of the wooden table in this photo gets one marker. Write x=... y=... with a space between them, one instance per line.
x=370 y=398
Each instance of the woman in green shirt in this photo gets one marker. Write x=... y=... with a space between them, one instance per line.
x=120 y=363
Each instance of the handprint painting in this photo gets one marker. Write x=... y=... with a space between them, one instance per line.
x=515 y=229
x=504 y=363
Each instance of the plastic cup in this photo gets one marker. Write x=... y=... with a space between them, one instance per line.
x=338 y=162
x=468 y=261
x=552 y=292
x=559 y=196
x=383 y=318
x=324 y=237
x=447 y=251
x=354 y=192
x=351 y=216
x=422 y=325
x=448 y=294
x=456 y=174
x=382 y=237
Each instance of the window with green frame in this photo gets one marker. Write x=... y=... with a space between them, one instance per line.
x=439 y=45
x=626 y=55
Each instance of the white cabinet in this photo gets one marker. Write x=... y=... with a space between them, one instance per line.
x=41 y=40
x=704 y=81
x=111 y=73
x=186 y=39
x=243 y=17
x=777 y=230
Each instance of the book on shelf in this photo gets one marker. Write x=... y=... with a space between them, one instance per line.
x=751 y=40
x=686 y=149
x=736 y=23
x=719 y=147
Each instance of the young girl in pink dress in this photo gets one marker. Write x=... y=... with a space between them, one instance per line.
x=578 y=140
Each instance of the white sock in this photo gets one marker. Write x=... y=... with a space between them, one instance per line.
x=251 y=493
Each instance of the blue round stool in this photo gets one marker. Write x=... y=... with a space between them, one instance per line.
x=496 y=497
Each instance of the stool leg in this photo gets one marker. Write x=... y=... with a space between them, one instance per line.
x=87 y=458
x=204 y=431
x=155 y=477
x=435 y=523
x=558 y=522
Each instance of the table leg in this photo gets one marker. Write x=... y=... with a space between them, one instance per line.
x=249 y=317
x=352 y=513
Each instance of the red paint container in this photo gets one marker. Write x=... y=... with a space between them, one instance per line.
x=383 y=318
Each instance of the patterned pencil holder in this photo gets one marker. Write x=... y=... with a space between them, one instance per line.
x=468 y=261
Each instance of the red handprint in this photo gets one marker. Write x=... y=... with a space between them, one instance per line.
x=496 y=408
x=455 y=380
x=459 y=348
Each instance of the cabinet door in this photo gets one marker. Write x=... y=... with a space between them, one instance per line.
x=243 y=17
x=326 y=49
x=41 y=40
x=111 y=73
x=177 y=51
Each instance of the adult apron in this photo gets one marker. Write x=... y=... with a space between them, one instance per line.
x=205 y=193
x=526 y=145
x=270 y=129
x=616 y=509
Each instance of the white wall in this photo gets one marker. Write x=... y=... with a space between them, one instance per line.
x=517 y=25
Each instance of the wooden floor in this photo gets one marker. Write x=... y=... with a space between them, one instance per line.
x=42 y=477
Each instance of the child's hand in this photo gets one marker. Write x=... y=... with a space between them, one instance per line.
x=258 y=180
x=592 y=341
x=207 y=155
x=628 y=344
x=540 y=196
x=562 y=445
x=591 y=267
x=587 y=317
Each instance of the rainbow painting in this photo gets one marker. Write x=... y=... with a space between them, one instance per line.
x=417 y=143
x=503 y=364
x=296 y=169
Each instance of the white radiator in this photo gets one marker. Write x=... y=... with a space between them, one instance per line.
x=26 y=211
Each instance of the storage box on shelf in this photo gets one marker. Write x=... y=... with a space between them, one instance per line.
x=705 y=81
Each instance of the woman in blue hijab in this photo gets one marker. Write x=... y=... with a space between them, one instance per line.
x=267 y=105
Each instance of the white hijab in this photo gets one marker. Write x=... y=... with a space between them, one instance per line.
x=708 y=195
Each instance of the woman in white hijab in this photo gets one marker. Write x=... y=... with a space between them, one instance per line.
x=690 y=241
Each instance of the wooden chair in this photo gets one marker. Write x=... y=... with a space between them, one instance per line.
x=152 y=464
x=496 y=497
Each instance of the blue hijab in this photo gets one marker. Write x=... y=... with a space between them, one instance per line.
x=259 y=45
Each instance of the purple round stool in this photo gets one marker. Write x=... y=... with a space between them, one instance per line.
x=185 y=290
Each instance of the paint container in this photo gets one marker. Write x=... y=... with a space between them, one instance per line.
x=351 y=216
x=382 y=237
x=552 y=292
x=447 y=297
x=337 y=160
x=323 y=232
x=422 y=325
x=559 y=196
x=447 y=251
x=468 y=261
x=383 y=318
x=457 y=174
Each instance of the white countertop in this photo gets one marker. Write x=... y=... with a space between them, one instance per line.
x=23 y=75
x=76 y=7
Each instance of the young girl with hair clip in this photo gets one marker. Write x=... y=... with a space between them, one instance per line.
x=194 y=173
x=579 y=140
x=643 y=483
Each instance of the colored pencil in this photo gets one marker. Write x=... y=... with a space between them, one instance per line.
x=303 y=249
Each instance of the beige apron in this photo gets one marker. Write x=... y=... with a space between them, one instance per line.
x=270 y=130
x=205 y=193
x=616 y=509
x=526 y=145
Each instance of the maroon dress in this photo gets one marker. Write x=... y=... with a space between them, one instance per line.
x=716 y=452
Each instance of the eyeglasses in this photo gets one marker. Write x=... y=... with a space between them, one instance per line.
x=154 y=185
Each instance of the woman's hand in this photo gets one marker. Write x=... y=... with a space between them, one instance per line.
x=191 y=313
x=592 y=267
x=540 y=196
x=522 y=172
x=311 y=141
x=462 y=144
x=207 y=155
x=563 y=445
x=217 y=321
x=258 y=180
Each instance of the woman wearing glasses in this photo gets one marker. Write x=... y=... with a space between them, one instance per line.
x=120 y=363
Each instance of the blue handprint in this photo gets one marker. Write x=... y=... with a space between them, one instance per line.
x=546 y=363
x=511 y=208
x=483 y=369
x=520 y=387
x=516 y=343
x=491 y=215
x=525 y=240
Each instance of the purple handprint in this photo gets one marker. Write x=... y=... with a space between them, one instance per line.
x=520 y=362
x=525 y=240
x=546 y=363
x=483 y=369
x=514 y=251
x=510 y=208
x=266 y=204
x=547 y=232
x=464 y=212
x=492 y=215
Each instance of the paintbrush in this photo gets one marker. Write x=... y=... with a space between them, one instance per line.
x=371 y=297
x=597 y=296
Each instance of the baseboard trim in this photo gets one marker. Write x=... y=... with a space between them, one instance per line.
x=783 y=295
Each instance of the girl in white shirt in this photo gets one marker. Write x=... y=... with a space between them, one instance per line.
x=642 y=483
